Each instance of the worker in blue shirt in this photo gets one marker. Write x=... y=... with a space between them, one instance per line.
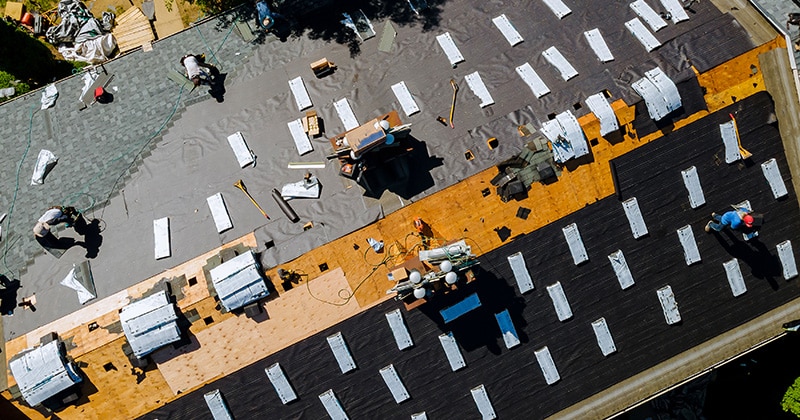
x=265 y=18
x=739 y=219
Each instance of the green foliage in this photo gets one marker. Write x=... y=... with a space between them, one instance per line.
x=78 y=65
x=213 y=7
x=5 y=79
x=27 y=59
x=791 y=399
x=8 y=80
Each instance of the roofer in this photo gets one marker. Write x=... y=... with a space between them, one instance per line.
x=265 y=17
x=52 y=217
x=196 y=68
x=739 y=219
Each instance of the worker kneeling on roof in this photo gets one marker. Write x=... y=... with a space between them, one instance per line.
x=52 y=217
x=739 y=219
x=197 y=70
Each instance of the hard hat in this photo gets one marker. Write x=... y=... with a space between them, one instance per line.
x=748 y=220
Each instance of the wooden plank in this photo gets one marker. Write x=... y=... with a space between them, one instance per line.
x=133 y=29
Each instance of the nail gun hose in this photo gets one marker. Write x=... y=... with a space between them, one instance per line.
x=285 y=207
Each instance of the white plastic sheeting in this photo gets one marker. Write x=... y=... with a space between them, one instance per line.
x=150 y=323
x=399 y=330
x=403 y=95
x=450 y=49
x=649 y=15
x=675 y=9
x=735 y=278
x=573 y=132
x=621 y=269
x=786 y=256
x=49 y=96
x=604 y=339
x=507 y=29
x=282 y=386
x=647 y=39
x=560 y=302
x=80 y=280
x=243 y=153
x=238 y=281
x=162 y=248
x=477 y=87
x=44 y=163
x=43 y=372
x=554 y=57
x=521 y=273
x=346 y=114
x=222 y=220
x=692 y=182
x=300 y=93
x=600 y=107
x=773 y=175
x=333 y=406
x=547 y=365
x=300 y=137
x=635 y=218
x=669 y=305
x=92 y=51
x=394 y=383
x=533 y=80
x=659 y=92
x=576 y=248
x=690 y=252
x=566 y=136
x=598 y=44
x=558 y=7
x=219 y=410
x=481 y=398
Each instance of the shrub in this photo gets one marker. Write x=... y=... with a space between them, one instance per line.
x=791 y=399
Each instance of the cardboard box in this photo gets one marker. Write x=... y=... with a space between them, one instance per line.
x=14 y=10
x=398 y=274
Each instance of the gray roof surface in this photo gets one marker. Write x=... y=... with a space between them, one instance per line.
x=185 y=157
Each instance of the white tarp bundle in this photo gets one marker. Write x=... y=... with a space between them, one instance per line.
x=49 y=96
x=93 y=51
x=43 y=372
x=44 y=163
x=77 y=24
x=80 y=280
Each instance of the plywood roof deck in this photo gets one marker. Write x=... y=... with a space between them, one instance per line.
x=325 y=300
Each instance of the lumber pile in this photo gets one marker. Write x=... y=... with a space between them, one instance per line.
x=132 y=30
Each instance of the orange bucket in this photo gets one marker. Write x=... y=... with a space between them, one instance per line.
x=27 y=19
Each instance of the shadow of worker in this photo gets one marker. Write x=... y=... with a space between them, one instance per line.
x=8 y=295
x=55 y=245
x=217 y=85
x=92 y=239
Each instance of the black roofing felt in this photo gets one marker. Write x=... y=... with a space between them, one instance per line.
x=513 y=378
x=694 y=49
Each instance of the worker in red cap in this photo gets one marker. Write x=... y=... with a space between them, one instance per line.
x=739 y=219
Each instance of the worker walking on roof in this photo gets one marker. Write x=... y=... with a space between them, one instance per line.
x=739 y=219
x=197 y=70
